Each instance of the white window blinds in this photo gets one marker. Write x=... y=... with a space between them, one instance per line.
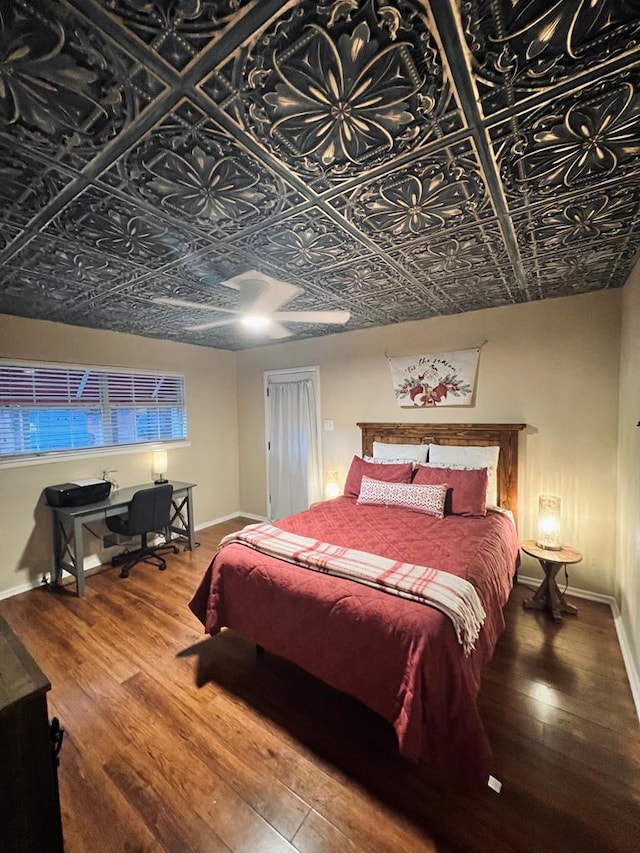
x=49 y=409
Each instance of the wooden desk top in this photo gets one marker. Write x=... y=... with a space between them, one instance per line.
x=566 y=554
x=117 y=499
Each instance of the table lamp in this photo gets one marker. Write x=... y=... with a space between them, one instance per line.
x=160 y=466
x=549 y=523
x=331 y=485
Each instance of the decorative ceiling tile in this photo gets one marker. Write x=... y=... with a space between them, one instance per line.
x=408 y=301
x=176 y=31
x=106 y=223
x=464 y=250
x=584 y=219
x=196 y=280
x=36 y=307
x=67 y=89
x=434 y=192
x=565 y=274
x=192 y=170
x=472 y=292
x=584 y=269
x=7 y=234
x=130 y=315
x=69 y=268
x=520 y=48
x=302 y=244
x=335 y=88
x=573 y=142
x=376 y=289
x=175 y=283
x=397 y=159
x=34 y=295
x=27 y=185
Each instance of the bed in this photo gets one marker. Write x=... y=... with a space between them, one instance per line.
x=399 y=657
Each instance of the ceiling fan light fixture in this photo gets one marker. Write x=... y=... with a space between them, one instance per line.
x=257 y=308
x=255 y=321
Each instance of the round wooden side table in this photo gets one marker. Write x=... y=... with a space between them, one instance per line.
x=548 y=596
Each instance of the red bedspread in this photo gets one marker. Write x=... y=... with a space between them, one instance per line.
x=400 y=658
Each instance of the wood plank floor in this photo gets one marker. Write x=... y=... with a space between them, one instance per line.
x=179 y=742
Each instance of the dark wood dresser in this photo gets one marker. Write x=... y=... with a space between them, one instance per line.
x=29 y=803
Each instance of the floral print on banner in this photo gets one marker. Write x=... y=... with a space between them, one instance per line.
x=435 y=379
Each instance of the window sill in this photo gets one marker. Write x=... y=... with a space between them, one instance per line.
x=92 y=453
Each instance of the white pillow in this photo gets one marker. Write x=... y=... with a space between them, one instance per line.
x=412 y=452
x=470 y=457
x=378 y=461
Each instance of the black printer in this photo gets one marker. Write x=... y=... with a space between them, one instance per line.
x=78 y=494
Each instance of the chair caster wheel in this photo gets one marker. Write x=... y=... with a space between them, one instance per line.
x=124 y=573
x=162 y=568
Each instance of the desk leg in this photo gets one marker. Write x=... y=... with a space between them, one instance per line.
x=58 y=549
x=78 y=555
x=181 y=521
x=190 y=532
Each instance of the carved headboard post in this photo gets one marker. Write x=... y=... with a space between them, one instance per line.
x=504 y=435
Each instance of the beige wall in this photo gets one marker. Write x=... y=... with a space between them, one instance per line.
x=553 y=365
x=566 y=367
x=211 y=460
x=628 y=553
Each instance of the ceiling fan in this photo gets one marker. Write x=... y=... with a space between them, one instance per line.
x=261 y=297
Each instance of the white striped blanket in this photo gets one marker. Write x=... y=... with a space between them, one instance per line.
x=453 y=596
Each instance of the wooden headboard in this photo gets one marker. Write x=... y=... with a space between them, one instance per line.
x=504 y=435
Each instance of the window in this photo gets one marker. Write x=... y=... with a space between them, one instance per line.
x=52 y=409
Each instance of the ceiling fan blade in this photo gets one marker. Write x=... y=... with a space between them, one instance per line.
x=261 y=294
x=333 y=317
x=275 y=330
x=274 y=297
x=184 y=303
x=200 y=327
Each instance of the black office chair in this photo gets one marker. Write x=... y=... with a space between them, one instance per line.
x=148 y=511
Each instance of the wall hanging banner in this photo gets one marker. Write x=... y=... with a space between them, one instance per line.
x=435 y=379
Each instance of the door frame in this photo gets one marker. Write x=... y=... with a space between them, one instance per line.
x=313 y=369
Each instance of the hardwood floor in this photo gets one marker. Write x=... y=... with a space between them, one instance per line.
x=179 y=742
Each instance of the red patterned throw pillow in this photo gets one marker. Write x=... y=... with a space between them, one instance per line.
x=427 y=499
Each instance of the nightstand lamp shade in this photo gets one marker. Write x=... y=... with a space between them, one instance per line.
x=549 y=523
x=331 y=485
x=160 y=465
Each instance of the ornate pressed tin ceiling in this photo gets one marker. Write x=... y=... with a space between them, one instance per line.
x=398 y=160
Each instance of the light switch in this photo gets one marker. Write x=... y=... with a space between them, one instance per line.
x=328 y=426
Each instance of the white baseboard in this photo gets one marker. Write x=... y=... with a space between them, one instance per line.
x=228 y=518
x=16 y=590
x=623 y=640
x=93 y=561
x=627 y=655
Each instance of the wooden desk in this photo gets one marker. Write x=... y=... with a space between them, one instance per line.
x=68 y=522
x=548 y=596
